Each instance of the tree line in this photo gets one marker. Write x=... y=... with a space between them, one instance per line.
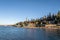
x=49 y=19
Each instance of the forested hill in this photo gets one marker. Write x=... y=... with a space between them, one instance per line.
x=50 y=19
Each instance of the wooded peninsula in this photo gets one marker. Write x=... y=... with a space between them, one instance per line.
x=46 y=21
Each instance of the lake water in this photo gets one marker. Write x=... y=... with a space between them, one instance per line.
x=13 y=33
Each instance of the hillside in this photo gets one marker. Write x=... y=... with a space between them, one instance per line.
x=41 y=22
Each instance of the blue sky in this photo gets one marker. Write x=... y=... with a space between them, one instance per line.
x=13 y=11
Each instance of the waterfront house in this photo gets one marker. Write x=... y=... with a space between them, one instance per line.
x=50 y=25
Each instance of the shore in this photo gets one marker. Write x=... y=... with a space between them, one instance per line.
x=53 y=27
x=56 y=27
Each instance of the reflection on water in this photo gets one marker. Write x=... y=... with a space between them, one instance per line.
x=53 y=34
x=12 y=33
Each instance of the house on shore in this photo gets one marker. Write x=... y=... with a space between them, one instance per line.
x=50 y=25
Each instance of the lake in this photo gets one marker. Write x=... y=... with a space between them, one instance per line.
x=13 y=33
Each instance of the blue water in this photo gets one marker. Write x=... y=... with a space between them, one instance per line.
x=13 y=33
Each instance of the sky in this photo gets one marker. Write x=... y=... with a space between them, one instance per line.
x=13 y=11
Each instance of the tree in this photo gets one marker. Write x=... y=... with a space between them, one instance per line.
x=49 y=17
